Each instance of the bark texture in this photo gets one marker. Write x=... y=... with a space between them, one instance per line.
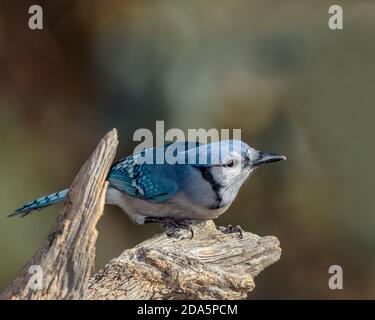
x=67 y=256
x=212 y=265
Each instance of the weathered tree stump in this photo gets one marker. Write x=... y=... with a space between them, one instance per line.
x=67 y=256
x=212 y=265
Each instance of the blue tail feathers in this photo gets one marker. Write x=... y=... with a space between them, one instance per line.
x=40 y=203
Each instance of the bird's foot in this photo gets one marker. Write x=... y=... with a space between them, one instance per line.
x=231 y=229
x=172 y=226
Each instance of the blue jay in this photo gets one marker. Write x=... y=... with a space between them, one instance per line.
x=199 y=184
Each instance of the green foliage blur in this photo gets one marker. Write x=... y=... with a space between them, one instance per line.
x=272 y=68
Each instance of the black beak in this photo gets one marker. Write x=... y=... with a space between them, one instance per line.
x=264 y=157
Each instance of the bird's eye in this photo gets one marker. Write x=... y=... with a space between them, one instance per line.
x=231 y=163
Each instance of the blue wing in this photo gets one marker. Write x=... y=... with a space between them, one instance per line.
x=152 y=182
x=141 y=181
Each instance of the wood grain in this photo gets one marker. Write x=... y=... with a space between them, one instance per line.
x=67 y=256
x=212 y=265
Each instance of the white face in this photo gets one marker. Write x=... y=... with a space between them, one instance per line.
x=233 y=167
x=231 y=174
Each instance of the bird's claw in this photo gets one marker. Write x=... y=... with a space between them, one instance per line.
x=231 y=229
x=172 y=226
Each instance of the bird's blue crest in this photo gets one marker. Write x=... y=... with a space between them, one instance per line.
x=216 y=153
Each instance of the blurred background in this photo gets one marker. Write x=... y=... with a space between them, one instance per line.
x=272 y=68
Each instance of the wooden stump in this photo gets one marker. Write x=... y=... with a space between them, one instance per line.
x=67 y=256
x=212 y=265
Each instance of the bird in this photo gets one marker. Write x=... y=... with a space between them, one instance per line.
x=175 y=184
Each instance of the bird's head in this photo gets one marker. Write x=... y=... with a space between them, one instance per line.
x=229 y=164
